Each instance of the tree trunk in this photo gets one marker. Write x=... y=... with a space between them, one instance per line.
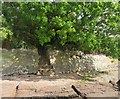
x=44 y=60
x=44 y=66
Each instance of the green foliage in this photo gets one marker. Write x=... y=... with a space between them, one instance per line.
x=5 y=31
x=86 y=24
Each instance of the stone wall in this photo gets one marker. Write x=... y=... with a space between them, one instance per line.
x=19 y=61
x=23 y=61
x=70 y=61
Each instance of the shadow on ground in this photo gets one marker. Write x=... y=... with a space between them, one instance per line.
x=84 y=76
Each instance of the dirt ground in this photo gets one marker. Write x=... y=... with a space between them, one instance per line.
x=60 y=85
x=39 y=86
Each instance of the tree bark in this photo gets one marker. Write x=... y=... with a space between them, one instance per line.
x=44 y=60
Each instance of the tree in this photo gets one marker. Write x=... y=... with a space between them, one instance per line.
x=88 y=25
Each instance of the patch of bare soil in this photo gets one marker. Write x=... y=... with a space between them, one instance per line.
x=60 y=86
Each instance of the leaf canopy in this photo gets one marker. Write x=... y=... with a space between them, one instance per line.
x=87 y=24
